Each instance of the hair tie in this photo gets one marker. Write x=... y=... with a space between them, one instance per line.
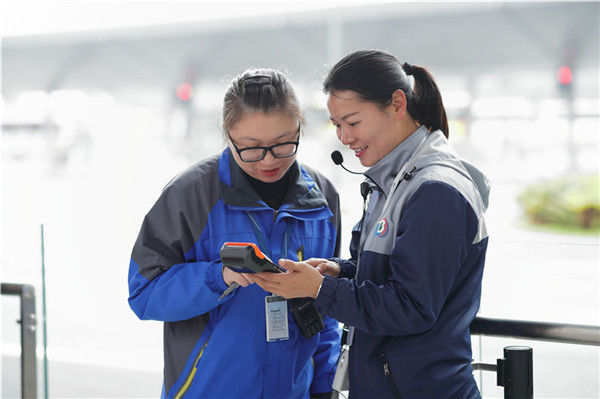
x=407 y=68
x=257 y=80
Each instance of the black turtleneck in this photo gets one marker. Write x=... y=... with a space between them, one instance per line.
x=272 y=193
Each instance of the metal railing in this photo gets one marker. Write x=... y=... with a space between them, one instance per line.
x=541 y=331
x=28 y=323
x=514 y=371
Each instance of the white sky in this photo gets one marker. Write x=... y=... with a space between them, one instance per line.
x=22 y=17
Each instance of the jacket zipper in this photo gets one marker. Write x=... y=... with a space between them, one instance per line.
x=190 y=377
x=388 y=376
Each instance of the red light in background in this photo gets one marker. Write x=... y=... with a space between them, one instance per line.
x=564 y=75
x=184 y=92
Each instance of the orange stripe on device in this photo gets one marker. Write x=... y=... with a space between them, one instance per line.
x=257 y=251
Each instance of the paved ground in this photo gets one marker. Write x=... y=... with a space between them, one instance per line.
x=77 y=381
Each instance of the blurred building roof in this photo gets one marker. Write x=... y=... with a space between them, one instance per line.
x=456 y=38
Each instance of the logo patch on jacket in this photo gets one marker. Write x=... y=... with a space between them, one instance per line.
x=381 y=229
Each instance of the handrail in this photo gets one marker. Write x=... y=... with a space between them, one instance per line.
x=542 y=331
x=13 y=289
x=28 y=336
x=514 y=371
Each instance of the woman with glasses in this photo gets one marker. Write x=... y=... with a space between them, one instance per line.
x=223 y=336
x=412 y=286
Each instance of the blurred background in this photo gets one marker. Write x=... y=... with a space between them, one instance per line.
x=104 y=102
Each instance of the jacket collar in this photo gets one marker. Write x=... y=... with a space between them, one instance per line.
x=435 y=151
x=236 y=190
x=386 y=169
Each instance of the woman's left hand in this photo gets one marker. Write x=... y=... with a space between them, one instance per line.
x=300 y=280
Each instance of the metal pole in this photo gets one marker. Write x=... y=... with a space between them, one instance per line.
x=28 y=337
x=28 y=343
x=44 y=316
x=515 y=372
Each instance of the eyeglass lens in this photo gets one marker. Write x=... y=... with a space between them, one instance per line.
x=283 y=150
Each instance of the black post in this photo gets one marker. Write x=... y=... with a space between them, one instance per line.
x=28 y=336
x=515 y=372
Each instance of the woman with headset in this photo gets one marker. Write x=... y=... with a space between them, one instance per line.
x=413 y=283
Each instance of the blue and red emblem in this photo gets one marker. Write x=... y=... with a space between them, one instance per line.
x=381 y=229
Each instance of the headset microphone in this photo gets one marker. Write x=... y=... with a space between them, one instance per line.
x=365 y=187
x=338 y=159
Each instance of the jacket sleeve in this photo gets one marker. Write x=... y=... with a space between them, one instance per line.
x=166 y=282
x=432 y=240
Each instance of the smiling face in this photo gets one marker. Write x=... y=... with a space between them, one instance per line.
x=367 y=129
x=263 y=130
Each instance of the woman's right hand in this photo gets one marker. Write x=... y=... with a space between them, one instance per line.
x=325 y=267
x=229 y=276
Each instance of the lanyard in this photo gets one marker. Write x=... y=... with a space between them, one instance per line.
x=262 y=241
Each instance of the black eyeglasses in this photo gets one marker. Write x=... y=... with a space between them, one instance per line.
x=255 y=154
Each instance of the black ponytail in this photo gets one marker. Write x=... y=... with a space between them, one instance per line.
x=375 y=75
x=427 y=105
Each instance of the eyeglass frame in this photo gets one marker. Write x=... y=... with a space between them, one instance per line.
x=265 y=149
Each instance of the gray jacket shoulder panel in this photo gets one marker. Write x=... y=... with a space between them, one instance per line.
x=189 y=196
x=326 y=187
x=435 y=160
x=333 y=201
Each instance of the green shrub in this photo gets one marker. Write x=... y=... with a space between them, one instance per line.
x=571 y=202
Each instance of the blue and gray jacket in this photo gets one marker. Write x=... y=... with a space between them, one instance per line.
x=413 y=284
x=218 y=349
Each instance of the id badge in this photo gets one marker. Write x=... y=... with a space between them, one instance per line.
x=277 y=318
x=340 y=380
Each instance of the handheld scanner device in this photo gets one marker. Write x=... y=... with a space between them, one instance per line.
x=245 y=257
